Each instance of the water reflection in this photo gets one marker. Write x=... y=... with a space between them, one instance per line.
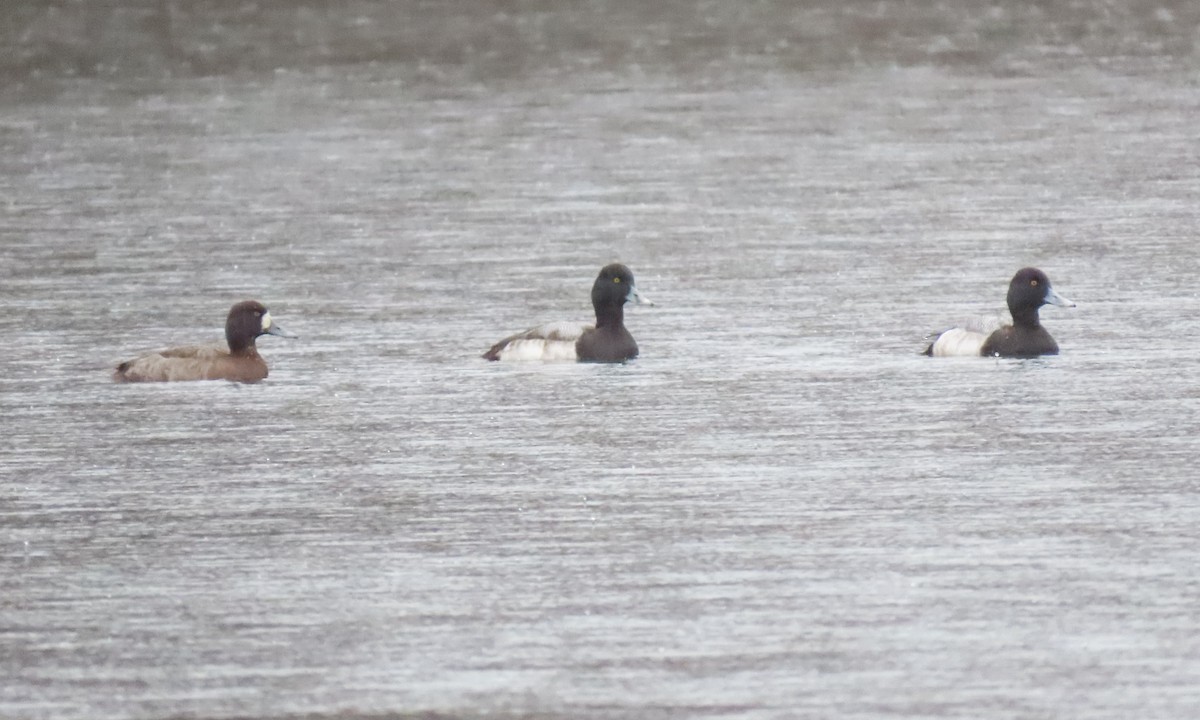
x=511 y=39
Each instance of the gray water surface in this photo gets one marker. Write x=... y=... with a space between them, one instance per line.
x=780 y=510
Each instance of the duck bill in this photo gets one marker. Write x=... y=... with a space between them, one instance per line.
x=636 y=297
x=1053 y=298
x=274 y=329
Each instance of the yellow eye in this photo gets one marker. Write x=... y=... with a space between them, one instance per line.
x=616 y=280
x=1033 y=283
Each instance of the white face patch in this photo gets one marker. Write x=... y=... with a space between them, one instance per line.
x=266 y=323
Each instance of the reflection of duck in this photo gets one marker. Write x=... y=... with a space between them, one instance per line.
x=240 y=363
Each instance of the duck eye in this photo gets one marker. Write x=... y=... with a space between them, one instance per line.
x=1033 y=283
x=616 y=280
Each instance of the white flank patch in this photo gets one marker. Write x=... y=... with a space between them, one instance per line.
x=957 y=342
x=539 y=349
x=554 y=342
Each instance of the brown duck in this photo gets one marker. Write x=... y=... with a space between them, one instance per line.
x=240 y=363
